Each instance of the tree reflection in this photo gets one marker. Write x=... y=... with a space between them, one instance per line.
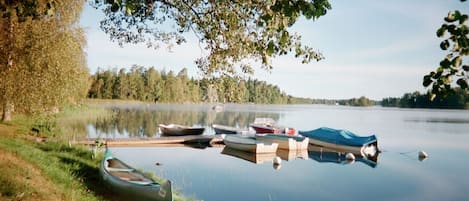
x=143 y=122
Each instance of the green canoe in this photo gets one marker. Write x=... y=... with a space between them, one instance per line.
x=127 y=181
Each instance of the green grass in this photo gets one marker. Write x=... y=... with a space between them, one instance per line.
x=66 y=168
x=73 y=170
x=69 y=171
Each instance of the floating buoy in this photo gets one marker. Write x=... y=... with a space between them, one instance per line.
x=158 y=164
x=277 y=166
x=350 y=156
x=277 y=161
x=422 y=155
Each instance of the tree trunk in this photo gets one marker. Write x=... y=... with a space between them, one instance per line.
x=7 y=106
x=7 y=110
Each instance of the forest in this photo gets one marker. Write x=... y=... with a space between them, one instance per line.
x=151 y=85
x=459 y=99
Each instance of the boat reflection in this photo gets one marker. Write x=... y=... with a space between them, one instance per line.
x=186 y=145
x=325 y=155
x=258 y=158
x=289 y=155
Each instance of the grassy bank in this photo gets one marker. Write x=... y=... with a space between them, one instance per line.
x=51 y=170
x=47 y=171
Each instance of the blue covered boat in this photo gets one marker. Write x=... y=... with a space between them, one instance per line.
x=342 y=140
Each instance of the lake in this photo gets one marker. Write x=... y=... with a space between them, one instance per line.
x=214 y=173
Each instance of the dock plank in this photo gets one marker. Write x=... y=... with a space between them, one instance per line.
x=151 y=141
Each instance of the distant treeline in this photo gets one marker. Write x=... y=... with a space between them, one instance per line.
x=151 y=85
x=457 y=100
x=362 y=101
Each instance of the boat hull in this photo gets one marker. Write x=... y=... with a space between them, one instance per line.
x=130 y=183
x=178 y=130
x=260 y=129
x=265 y=129
x=220 y=129
x=284 y=141
x=249 y=144
x=365 y=150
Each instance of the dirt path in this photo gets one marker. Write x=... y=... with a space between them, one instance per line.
x=27 y=182
x=23 y=180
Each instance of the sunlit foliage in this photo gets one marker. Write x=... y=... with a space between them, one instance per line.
x=42 y=59
x=232 y=33
x=453 y=70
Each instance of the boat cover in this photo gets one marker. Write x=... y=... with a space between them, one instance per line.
x=341 y=137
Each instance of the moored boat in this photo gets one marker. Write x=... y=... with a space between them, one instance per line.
x=257 y=158
x=128 y=182
x=268 y=125
x=249 y=144
x=342 y=140
x=222 y=129
x=285 y=141
x=179 y=130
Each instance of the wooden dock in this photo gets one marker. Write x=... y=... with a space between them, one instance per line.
x=189 y=139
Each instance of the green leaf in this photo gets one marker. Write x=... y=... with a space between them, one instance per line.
x=444 y=45
x=456 y=61
x=270 y=48
x=465 y=67
x=438 y=73
x=436 y=88
x=463 y=19
x=457 y=14
x=441 y=31
x=462 y=83
x=115 y=7
x=285 y=38
x=450 y=18
x=445 y=63
x=427 y=80
x=452 y=29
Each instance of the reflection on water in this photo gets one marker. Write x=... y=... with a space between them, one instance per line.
x=213 y=173
x=143 y=121
x=324 y=155
x=289 y=155
x=441 y=120
x=257 y=158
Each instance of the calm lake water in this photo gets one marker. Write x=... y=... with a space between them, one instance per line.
x=214 y=173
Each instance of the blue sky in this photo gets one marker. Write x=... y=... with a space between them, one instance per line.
x=372 y=48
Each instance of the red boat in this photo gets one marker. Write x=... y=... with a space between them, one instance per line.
x=268 y=125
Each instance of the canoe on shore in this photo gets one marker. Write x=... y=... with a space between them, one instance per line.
x=132 y=184
x=179 y=130
x=342 y=140
x=249 y=144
